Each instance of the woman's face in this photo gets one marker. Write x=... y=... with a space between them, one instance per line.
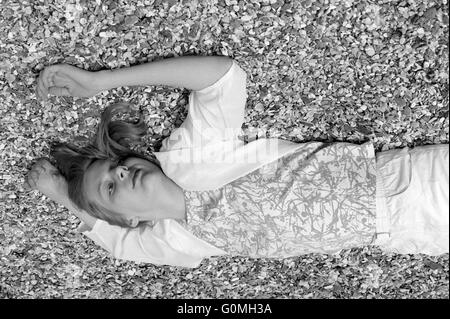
x=129 y=189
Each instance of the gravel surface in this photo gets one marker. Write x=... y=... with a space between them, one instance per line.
x=317 y=70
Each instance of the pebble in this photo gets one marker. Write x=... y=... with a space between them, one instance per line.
x=370 y=51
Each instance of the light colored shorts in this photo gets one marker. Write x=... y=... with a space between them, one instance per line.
x=413 y=200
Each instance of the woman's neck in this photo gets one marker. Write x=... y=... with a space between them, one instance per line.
x=171 y=202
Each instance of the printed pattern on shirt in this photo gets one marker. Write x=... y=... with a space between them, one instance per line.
x=319 y=199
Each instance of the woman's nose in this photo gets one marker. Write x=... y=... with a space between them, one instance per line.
x=122 y=171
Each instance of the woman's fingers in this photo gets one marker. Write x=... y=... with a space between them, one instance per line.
x=39 y=93
x=31 y=180
x=58 y=91
x=44 y=77
x=42 y=92
x=43 y=82
x=61 y=80
x=46 y=74
x=34 y=174
x=56 y=85
x=40 y=89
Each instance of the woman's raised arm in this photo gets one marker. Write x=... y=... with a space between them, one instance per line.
x=191 y=72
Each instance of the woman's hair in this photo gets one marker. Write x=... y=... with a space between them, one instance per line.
x=112 y=141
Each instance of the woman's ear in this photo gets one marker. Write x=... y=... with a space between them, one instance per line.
x=133 y=221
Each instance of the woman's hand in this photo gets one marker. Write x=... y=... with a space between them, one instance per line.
x=67 y=80
x=46 y=178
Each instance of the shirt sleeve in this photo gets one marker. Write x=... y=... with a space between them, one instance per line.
x=214 y=113
x=140 y=244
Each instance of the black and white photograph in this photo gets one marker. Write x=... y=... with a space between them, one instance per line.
x=224 y=150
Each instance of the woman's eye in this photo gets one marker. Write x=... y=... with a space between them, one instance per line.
x=110 y=188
